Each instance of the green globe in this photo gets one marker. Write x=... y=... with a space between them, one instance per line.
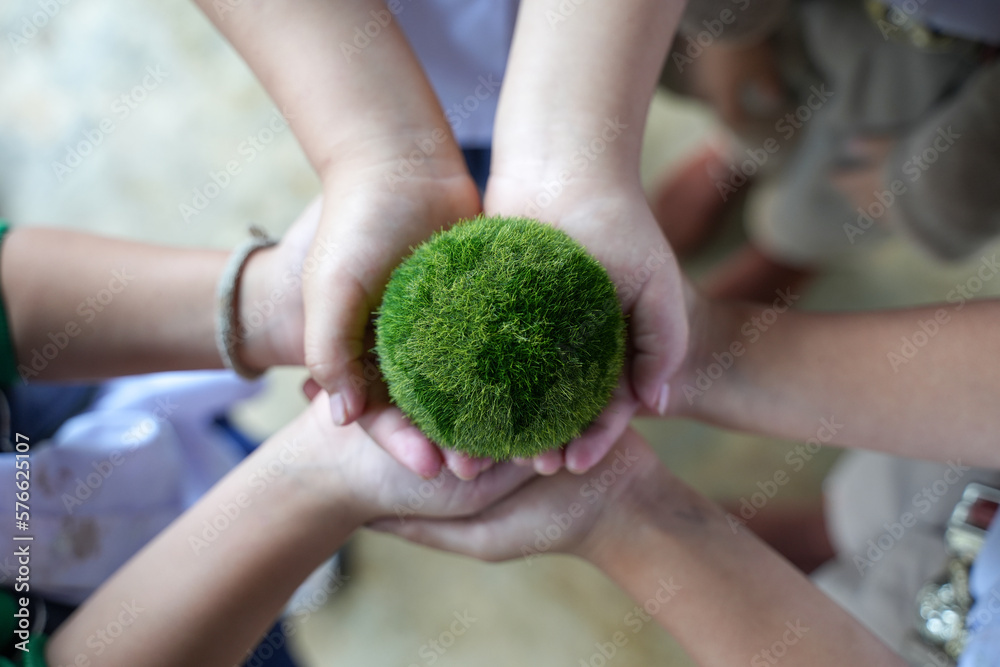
x=500 y=337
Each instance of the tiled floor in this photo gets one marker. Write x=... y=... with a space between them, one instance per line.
x=59 y=83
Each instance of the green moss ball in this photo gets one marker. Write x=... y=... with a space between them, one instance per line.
x=500 y=337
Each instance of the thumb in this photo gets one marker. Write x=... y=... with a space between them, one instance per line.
x=659 y=335
x=336 y=314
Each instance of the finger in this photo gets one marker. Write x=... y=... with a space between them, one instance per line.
x=659 y=333
x=310 y=388
x=462 y=465
x=336 y=312
x=590 y=448
x=549 y=463
x=394 y=433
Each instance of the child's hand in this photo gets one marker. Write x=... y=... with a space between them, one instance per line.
x=271 y=319
x=370 y=221
x=560 y=514
x=611 y=217
x=344 y=471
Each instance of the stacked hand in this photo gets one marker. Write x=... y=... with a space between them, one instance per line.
x=611 y=218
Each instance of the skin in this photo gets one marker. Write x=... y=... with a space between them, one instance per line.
x=937 y=404
x=57 y=282
x=330 y=481
x=676 y=555
x=356 y=114
x=571 y=136
x=354 y=134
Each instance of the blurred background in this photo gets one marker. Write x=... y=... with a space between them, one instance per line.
x=164 y=104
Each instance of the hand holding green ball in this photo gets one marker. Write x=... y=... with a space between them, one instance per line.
x=501 y=338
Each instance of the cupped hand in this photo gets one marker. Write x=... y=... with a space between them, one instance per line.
x=563 y=513
x=345 y=470
x=611 y=218
x=372 y=217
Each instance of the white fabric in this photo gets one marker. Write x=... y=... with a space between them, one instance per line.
x=983 y=649
x=113 y=477
x=463 y=46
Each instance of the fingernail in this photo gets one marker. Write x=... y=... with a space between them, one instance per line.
x=411 y=447
x=485 y=465
x=661 y=406
x=573 y=465
x=338 y=409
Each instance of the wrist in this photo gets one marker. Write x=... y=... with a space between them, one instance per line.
x=393 y=158
x=601 y=160
x=302 y=471
x=656 y=514
x=258 y=308
x=717 y=345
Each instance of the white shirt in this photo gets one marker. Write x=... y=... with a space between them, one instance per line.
x=463 y=46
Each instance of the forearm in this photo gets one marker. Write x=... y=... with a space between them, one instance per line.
x=916 y=382
x=724 y=595
x=347 y=104
x=571 y=74
x=210 y=585
x=81 y=306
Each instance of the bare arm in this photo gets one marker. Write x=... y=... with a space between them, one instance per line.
x=736 y=602
x=571 y=71
x=569 y=129
x=392 y=174
x=81 y=306
x=349 y=105
x=721 y=592
x=237 y=556
x=918 y=382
